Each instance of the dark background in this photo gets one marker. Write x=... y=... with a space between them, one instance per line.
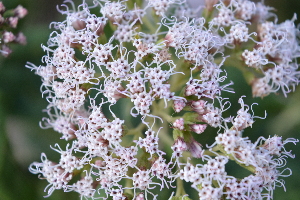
x=21 y=105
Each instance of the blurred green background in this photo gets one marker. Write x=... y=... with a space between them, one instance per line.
x=21 y=105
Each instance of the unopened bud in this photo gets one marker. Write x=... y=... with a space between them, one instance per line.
x=195 y=148
x=190 y=90
x=179 y=105
x=13 y=22
x=79 y=24
x=2 y=8
x=21 y=39
x=8 y=37
x=198 y=128
x=179 y=124
x=20 y=11
x=199 y=106
x=6 y=51
x=140 y=197
x=99 y=163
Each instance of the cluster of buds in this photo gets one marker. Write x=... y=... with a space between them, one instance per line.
x=9 y=20
x=161 y=68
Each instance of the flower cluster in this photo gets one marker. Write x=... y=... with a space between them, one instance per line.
x=148 y=65
x=9 y=20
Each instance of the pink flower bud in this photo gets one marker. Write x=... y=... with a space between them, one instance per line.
x=179 y=105
x=179 y=124
x=198 y=128
x=13 y=21
x=79 y=24
x=199 y=106
x=5 y=51
x=8 y=37
x=195 y=148
x=2 y=8
x=99 y=163
x=140 y=197
x=190 y=90
x=20 y=11
x=21 y=39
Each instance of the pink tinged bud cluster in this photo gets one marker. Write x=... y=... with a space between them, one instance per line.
x=8 y=21
x=20 y=12
x=96 y=62
x=198 y=128
x=179 y=124
x=8 y=37
x=179 y=105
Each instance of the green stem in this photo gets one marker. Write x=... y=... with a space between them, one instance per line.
x=149 y=24
x=220 y=148
x=179 y=188
x=164 y=137
x=137 y=130
x=179 y=80
x=128 y=184
x=209 y=153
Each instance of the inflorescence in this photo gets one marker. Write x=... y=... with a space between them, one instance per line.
x=152 y=60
